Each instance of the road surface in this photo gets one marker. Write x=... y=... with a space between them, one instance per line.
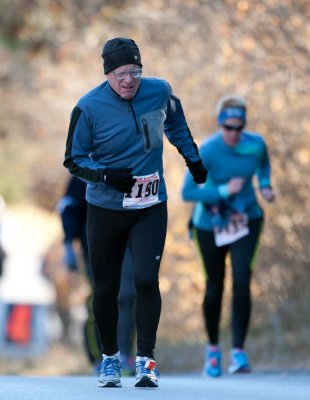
x=255 y=386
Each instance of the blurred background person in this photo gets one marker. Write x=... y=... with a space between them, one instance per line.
x=227 y=218
x=26 y=296
x=72 y=208
x=2 y=252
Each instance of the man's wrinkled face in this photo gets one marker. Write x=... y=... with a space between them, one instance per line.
x=125 y=80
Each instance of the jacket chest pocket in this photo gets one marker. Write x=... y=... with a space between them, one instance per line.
x=153 y=129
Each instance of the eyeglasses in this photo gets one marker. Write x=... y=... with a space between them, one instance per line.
x=134 y=73
x=236 y=128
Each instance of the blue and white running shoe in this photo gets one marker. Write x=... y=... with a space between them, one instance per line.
x=239 y=362
x=110 y=371
x=146 y=373
x=213 y=358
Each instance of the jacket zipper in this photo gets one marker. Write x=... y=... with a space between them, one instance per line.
x=146 y=134
x=134 y=117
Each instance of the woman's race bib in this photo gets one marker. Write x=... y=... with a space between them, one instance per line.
x=144 y=192
x=235 y=230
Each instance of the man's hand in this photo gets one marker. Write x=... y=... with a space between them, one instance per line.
x=120 y=179
x=198 y=171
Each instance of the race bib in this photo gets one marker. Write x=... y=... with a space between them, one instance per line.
x=235 y=230
x=144 y=192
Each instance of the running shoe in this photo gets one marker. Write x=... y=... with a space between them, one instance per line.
x=110 y=371
x=213 y=358
x=146 y=373
x=239 y=362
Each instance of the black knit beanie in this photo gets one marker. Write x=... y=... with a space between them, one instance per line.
x=120 y=51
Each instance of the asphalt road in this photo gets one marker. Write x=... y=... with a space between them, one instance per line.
x=255 y=386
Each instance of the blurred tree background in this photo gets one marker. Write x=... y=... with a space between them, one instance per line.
x=50 y=56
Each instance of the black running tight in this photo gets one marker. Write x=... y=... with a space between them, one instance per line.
x=242 y=254
x=108 y=233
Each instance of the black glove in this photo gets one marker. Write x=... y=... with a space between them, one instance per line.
x=198 y=171
x=120 y=179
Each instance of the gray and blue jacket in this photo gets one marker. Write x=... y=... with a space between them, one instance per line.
x=108 y=131
x=248 y=158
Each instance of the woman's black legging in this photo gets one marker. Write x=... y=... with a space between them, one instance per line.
x=242 y=253
x=108 y=233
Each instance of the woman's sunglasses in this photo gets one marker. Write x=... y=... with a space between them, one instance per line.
x=236 y=128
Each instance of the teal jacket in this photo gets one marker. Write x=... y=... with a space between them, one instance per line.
x=248 y=158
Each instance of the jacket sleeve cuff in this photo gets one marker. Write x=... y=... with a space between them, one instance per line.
x=223 y=191
x=264 y=183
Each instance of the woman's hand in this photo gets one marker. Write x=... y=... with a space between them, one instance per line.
x=235 y=185
x=268 y=194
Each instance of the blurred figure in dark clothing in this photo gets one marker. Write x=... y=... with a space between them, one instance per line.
x=72 y=208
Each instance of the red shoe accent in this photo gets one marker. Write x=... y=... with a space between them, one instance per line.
x=213 y=362
x=150 y=364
